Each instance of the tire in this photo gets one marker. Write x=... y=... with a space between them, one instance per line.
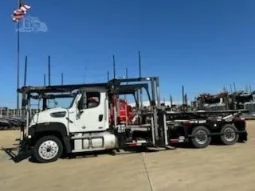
x=201 y=138
x=40 y=149
x=230 y=135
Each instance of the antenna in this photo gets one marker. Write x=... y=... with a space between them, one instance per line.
x=250 y=88
x=49 y=70
x=114 y=68
x=230 y=88
x=25 y=72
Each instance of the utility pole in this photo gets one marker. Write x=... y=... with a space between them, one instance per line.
x=234 y=86
x=49 y=71
x=127 y=73
x=25 y=72
x=62 y=79
x=140 y=66
x=183 y=99
x=18 y=57
x=127 y=82
x=186 y=99
x=108 y=76
x=114 y=67
x=171 y=100
x=44 y=79
x=140 y=76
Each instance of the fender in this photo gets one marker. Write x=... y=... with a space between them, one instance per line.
x=48 y=128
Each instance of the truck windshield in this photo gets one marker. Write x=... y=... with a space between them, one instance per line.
x=61 y=102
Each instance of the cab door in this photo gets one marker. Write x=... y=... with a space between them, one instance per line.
x=90 y=113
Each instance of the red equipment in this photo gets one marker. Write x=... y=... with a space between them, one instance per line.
x=125 y=112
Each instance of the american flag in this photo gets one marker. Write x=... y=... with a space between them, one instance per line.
x=20 y=12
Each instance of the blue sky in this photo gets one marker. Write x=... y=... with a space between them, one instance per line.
x=203 y=45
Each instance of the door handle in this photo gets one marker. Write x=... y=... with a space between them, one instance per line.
x=100 y=117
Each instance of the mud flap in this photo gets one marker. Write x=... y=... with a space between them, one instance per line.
x=243 y=136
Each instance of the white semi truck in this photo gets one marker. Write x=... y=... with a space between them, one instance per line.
x=84 y=126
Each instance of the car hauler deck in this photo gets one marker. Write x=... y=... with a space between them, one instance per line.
x=85 y=126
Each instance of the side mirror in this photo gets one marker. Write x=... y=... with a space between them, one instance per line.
x=80 y=105
x=82 y=102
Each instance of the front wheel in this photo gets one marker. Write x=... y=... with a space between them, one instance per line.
x=200 y=137
x=48 y=149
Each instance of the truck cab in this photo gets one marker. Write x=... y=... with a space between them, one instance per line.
x=92 y=122
x=87 y=112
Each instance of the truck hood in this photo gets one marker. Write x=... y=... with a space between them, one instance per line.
x=53 y=110
x=45 y=116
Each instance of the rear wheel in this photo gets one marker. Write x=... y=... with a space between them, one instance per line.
x=201 y=138
x=229 y=134
x=48 y=149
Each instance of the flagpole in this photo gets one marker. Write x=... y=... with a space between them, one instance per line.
x=18 y=57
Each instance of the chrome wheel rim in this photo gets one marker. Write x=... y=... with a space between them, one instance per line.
x=201 y=137
x=48 y=150
x=229 y=134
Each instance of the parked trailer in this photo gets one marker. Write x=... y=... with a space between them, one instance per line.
x=228 y=126
x=85 y=127
x=225 y=101
x=10 y=123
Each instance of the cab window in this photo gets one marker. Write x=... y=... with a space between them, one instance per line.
x=90 y=99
